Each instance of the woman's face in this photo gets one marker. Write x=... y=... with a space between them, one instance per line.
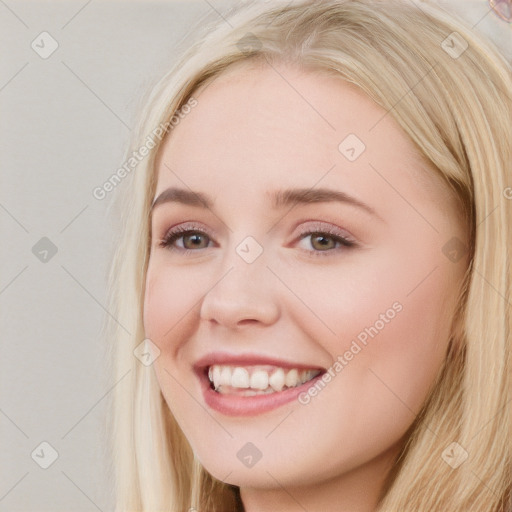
x=315 y=241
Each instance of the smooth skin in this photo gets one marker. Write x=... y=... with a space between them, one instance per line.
x=258 y=129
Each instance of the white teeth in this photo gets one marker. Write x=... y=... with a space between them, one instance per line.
x=310 y=374
x=240 y=378
x=216 y=376
x=257 y=380
x=276 y=380
x=225 y=377
x=292 y=378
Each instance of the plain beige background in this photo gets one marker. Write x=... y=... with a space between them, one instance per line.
x=64 y=124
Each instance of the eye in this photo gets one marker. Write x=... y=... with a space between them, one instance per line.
x=326 y=240
x=185 y=238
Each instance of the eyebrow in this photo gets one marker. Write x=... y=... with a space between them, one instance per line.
x=279 y=199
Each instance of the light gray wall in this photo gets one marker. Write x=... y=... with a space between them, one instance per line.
x=64 y=127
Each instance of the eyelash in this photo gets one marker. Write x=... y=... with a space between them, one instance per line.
x=344 y=241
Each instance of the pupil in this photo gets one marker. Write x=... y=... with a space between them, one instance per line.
x=323 y=241
x=195 y=239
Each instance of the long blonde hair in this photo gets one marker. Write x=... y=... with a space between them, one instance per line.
x=452 y=94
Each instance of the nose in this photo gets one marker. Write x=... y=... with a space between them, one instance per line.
x=244 y=294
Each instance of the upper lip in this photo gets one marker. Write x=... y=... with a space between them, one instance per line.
x=249 y=359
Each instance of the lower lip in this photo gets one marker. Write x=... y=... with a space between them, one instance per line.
x=236 y=405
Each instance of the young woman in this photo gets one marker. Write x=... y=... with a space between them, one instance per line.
x=311 y=296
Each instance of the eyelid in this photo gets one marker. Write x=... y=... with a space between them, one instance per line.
x=187 y=226
x=328 y=228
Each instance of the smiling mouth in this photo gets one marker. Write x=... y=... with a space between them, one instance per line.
x=254 y=380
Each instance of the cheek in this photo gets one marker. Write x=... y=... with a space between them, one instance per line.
x=169 y=300
x=159 y=305
x=392 y=344
x=392 y=325
x=395 y=330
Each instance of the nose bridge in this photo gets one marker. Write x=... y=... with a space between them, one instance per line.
x=242 y=290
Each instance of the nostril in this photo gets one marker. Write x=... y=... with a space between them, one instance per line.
x=247 y=321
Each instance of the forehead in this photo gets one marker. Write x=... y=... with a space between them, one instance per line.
x=258 y=125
